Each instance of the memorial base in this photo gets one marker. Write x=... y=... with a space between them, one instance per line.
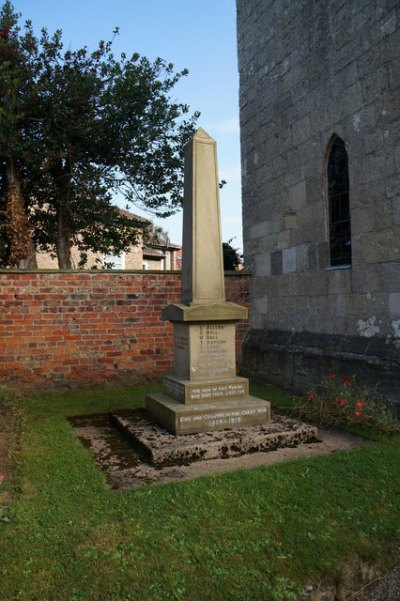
x=178 y=418
x=197 y=391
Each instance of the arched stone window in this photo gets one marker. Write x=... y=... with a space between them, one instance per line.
x=339 y=204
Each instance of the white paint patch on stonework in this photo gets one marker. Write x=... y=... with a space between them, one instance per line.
x=356 y=122
x=396 y=327
x=368 y=328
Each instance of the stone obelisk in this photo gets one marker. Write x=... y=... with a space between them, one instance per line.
x=203 y=393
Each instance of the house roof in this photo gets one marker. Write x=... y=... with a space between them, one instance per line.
x=165 y=244
x=153 y=252
x=152 y=239
x=131 y=215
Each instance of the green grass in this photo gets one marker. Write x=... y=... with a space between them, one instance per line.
x=281 y=399
x=256 y=535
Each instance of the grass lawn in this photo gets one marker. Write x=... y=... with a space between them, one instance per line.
x=257 y=535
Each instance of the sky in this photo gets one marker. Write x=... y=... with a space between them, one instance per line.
x=199 y=35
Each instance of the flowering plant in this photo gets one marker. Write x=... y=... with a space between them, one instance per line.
x=340 y=400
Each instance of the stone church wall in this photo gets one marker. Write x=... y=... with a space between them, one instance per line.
x=310 y=71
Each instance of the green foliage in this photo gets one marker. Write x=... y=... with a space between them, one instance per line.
x=84 y=127
x=249 y=535
x=342 y=401
x=230 y=256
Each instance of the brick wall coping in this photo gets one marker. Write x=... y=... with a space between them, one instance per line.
x=111 y=271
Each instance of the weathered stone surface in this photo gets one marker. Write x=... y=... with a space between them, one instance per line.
x=276 y=262
x=203 y=392
x=394 y=305
x=127 y=467
x=334 y=73
x=297 y=360
x=161 y=448
x=289 y=264
x=195 y=391
x=204 y=351
x=212 y=312
x=178 y=418
x=202 y=273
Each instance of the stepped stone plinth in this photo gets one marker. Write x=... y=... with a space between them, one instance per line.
x=204 y=393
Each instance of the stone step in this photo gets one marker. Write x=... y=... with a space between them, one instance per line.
x=160 y=448
x=180 y=419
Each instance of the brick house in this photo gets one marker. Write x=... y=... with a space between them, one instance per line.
x=152 y=254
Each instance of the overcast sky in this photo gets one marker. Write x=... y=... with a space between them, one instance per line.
x=197 y=34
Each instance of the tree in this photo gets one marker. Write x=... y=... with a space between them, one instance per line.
x=94 y=127
x=231 y=257
x=16 y=248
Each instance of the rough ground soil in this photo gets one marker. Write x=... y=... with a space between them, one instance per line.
x=8 y=442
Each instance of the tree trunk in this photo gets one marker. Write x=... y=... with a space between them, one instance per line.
x=63 y=242
x=61 y=175
x=22 y=252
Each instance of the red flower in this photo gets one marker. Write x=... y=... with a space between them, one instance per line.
x=359 y=404
x=1 y=478
x=18 y=452
x=331 y=376
x=357 y=414
x=346 y=380
x=341 y=402
x=311 y=395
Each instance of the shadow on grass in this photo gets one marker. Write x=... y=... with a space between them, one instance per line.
x=253 y=534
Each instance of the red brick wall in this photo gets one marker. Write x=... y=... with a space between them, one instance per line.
x=90 y=329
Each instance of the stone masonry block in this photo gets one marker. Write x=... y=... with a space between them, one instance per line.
x=312 y=284
x=396 y=209
x=301 y=257
x=259 y=229
x=394 y=305
x=286 y=284
x=376 y=247
x=262 y=265
x=297 y=195
x=312 y=259
x=260 y=306
x=323 y=255
x=339 y=281
x=383 y=277
x=293 y=176
x=314 y=191
x=289 y=260
x=289 y=220
x=283 y=238
x=301 y=130
x=394 y=74
x=276 y=263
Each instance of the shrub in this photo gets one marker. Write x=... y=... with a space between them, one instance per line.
x=342 y=401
